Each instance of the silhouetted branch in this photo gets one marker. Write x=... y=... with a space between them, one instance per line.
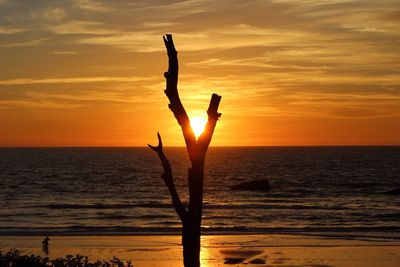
x=169 y=181
x=171 y=91
x=213 y=116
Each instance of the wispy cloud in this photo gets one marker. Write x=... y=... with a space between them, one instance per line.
x=25 y=43
x=80 y=27
x=10 y=30
x=89 y=97
x=65 y=53
x=51 y=14
x=92 y=5
x=27 y=81
x=12 y=104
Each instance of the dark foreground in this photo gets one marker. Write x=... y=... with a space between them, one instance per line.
x=14 y=258
x=222 y=250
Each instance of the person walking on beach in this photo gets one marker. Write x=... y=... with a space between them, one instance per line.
x=45 y=245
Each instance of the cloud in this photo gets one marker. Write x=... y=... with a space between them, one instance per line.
x=89 y=97
x=65 y=53
x=26 y=81
x=80 y=27
x=51 y=14
x=12 y=104
x=227 y=37
x=91 y=5
x=157 y=24
x=10 y=30
x=25 y=43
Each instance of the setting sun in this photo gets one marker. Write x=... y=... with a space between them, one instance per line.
x=198 y=124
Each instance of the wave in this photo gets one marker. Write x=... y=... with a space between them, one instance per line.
x=85 y=206
x=127 y=230
x=315 y=187
x=206 y=206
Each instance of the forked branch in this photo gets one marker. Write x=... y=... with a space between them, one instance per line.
x=169 y=181
x=196 y=149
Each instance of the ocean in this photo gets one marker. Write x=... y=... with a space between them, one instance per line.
x=47 y=191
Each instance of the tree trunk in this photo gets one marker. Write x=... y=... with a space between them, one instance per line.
x=191 y=245
x=191 y=230
x=197 y=149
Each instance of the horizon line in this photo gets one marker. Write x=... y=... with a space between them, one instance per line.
x=235 y=146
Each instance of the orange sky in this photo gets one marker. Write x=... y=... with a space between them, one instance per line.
x=90 y=73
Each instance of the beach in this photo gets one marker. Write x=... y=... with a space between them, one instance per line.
x=224 y=250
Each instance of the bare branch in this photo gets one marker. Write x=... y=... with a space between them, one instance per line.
x=169 y=181
x=213 y=116
x=171 y=91
x=159 y=147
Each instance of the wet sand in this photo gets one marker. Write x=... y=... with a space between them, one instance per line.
x=222 y=250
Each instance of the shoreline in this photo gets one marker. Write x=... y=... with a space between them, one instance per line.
x=331 y=234
x=273 y=249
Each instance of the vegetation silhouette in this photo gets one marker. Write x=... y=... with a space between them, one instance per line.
x=14 y=258
x=197 y=149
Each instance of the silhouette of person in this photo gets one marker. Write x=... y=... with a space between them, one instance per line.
x=45 y=245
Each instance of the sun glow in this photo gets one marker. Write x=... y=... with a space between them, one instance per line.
x=198 y=124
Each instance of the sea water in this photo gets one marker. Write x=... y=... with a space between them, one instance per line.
x=120 y=191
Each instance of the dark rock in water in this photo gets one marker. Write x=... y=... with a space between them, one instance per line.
x=257 y=261
x=257 y=185
x=233 y=260
x=395 y=191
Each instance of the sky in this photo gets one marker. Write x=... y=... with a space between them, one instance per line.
x=290 y=72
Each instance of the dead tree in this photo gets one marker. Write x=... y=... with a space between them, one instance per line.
x=197 y=149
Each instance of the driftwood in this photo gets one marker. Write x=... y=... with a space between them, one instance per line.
x=197 y=149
